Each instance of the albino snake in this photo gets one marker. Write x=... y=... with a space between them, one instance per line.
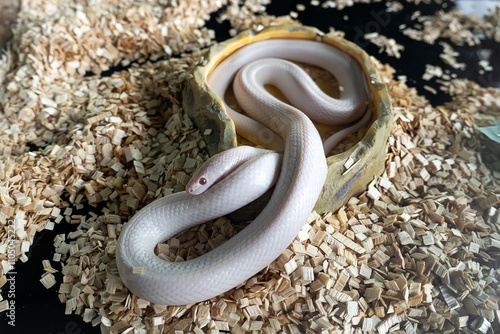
x=238 y=176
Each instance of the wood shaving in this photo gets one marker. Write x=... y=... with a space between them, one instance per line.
x=432 y=71
x=427 y=2
x=460 y=28
x=472 y=101
x=455 y=25
x=389 y=45
x=449 y=56
x=485 y=64
x=394 y=6
x=244 y=17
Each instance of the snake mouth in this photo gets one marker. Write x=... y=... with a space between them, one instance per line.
x=193 y=190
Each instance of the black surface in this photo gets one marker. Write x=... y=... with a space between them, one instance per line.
x=39 y=311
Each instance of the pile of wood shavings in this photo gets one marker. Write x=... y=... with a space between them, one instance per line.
x=98 y=134
x=480 y=104
x=416 y=251
x=455 y=25
x=411 y=251
x=394 y=6
x=341 y=4
x=243 y=17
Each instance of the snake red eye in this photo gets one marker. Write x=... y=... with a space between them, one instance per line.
x=202 y=181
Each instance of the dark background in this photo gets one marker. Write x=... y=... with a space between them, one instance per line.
x=38 y=310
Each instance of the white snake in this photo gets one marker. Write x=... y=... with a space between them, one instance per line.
x=238 y=176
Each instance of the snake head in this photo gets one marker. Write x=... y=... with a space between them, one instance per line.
x=220 y=166
x=197 y=185
x=213 y=170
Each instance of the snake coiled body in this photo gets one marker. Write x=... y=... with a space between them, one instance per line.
x=252 y=172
